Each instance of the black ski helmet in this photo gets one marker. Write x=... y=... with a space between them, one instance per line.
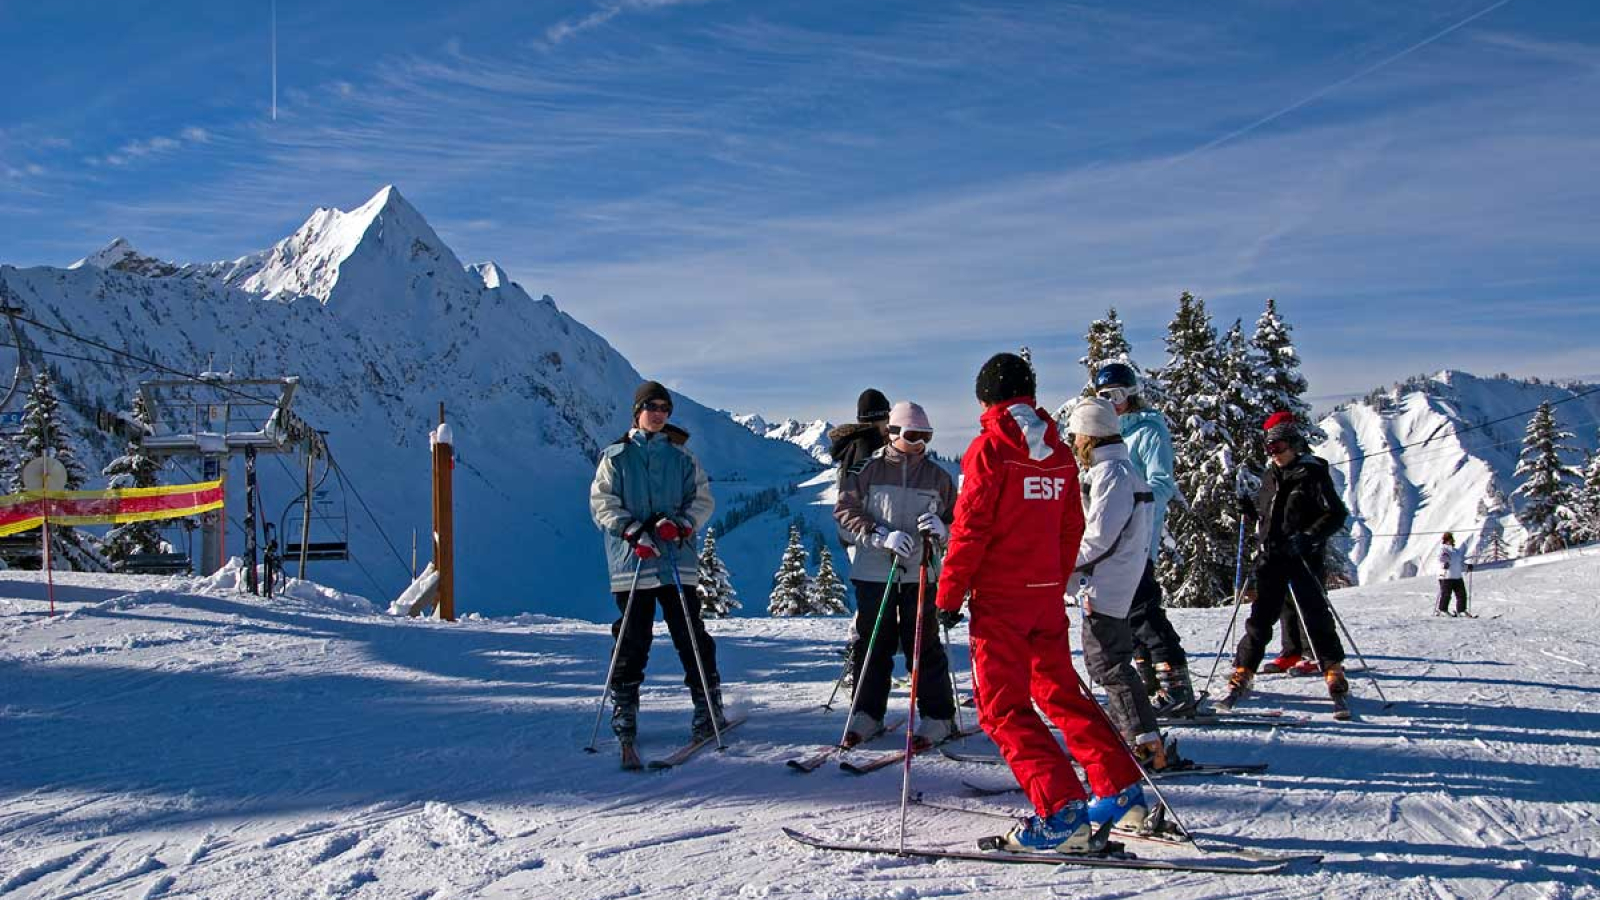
x=1116 y=374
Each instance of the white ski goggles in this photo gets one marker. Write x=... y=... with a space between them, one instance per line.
x=1116 y=395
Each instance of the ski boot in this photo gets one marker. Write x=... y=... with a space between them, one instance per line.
x=1283 y=663
x=863 y=727
x=1305 y=668
x=701 y=728
x=1125 y=810
x=1333 y=674
x=1338 y=690
x=625 y=711
x=1176 y=698
x=1147 y=674
x=1067 y=830
x=933 y=731
x=1239 y=684
x=1158 y=754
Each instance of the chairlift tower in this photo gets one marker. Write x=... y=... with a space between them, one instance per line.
x=213 y=418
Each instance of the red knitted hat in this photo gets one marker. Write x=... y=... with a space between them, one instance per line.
x=1278 y=418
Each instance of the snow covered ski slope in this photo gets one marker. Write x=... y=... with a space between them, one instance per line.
x=167 y=737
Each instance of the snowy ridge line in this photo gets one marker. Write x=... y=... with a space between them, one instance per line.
x=1517 y=416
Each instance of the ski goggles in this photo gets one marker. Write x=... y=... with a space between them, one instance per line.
x=658 y=406
x=1115 y=395
x=1276 y=447
x=912 y=437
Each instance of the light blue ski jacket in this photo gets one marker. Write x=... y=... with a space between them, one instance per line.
x=1150 y=448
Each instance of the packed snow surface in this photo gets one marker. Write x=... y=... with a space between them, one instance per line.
x=173 y=738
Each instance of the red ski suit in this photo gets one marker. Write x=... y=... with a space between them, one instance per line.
x=1013 y=545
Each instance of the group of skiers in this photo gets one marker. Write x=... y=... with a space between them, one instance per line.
x=1040 y=520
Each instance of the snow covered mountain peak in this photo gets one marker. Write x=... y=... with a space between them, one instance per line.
x=492 y=275
x=811 y=437
x=381 y=257
x=121 y=255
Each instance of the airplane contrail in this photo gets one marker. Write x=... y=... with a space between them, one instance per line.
x=1320 y=92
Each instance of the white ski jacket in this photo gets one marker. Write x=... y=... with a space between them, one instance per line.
x=1451 y=562
x=1118 y=511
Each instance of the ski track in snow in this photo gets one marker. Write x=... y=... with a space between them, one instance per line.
x=180 y=741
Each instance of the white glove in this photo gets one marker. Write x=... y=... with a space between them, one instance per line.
x=875 y=538
x=932 y=524
x=900 y=544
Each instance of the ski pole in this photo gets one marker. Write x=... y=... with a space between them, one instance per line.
x=616 y=650
x=849 y=662
x=1238 y=591
x=671 y=558
x=1366 y=666
x=916 y=675
x=1143 y=775
x=955 y=689
x=872 y=641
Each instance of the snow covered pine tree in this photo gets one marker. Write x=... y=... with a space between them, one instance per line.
x=45 y=432
x=133 y=469
x=718 y=599
x=1204 y=527
x=827 y=592
x=1588 y=504
x=791 y=586
x=1549 y=509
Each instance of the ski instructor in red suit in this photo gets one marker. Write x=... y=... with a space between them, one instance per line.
x=1013 y=546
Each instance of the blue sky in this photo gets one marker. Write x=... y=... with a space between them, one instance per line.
x=771 y=205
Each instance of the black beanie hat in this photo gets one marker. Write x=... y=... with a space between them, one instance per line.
x=872 y=406
x=1005 y=376
x=650 y=390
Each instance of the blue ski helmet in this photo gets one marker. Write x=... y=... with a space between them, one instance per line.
x=1116 y=375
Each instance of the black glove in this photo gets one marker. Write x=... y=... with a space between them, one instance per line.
x=1247 y=507
x=1299 y=544
x=948 y=619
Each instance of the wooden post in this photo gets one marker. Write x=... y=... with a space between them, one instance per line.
x=443 y=520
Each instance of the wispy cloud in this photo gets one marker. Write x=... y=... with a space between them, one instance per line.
x=160 y=145
x=566 y=29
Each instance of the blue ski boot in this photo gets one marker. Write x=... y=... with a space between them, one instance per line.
x=1066 y=831
x=1125 y=810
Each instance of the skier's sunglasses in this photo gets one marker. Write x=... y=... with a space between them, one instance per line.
x=659 y=406
x=912 y=437
x=1276 y=447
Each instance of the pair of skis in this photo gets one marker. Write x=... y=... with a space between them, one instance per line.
x=1155 y=833
x=632 y=762
x=1114 y=856
x=817 y=760
x=880 y=761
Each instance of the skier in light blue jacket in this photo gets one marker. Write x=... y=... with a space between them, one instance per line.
x=1158 y=651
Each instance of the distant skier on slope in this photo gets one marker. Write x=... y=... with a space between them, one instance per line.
x=1111 y=558
x=1158 y=651
x=1296 y=510
x=884 y=507
x=649 y=496
x=1452 y=565
x=1013 y=545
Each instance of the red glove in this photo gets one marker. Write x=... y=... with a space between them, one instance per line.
x=639 y=539
x=678 y=531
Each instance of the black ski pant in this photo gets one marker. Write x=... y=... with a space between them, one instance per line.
x=1276 y=576
x=898 y=633
x=1154 y=638
x=637 y=632
x=1108 y=655
x=1456 y=587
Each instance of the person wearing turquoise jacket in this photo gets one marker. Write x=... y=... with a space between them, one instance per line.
x=1158 y=650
